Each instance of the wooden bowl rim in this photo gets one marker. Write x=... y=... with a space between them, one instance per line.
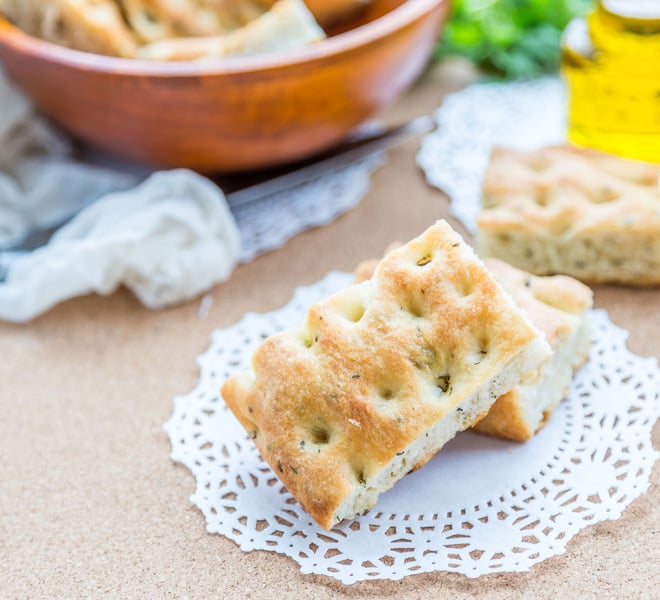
x=406 y=13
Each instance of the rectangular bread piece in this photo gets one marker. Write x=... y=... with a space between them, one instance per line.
x=89 y=25
x=382 y=374
x=288 y=24
x=573 y=211
x=559 y=307
x=153 y=20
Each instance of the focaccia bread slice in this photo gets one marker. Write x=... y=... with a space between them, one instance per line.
x=287 y=25
x=559 y=307
x=382 y=374
x=234 y=14
x=573 y=211
x=93 y=26
x=154 y=20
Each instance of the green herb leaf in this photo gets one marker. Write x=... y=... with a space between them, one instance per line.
x=510 y=38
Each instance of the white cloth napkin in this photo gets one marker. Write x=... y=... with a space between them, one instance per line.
x=168 y=239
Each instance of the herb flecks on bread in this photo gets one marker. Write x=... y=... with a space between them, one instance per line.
x=559 y=307
x=382 y=374
x=578 y=212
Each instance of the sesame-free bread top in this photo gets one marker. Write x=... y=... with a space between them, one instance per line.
x=119 y=27
x=559 y=307
x=573 y=211
x=567 y=190
x=382 y=374
x=551 y=303
x=155 y=20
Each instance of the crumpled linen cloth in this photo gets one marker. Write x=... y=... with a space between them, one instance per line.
x=168 y=239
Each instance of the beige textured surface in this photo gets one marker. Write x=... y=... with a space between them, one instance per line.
x=90 y=504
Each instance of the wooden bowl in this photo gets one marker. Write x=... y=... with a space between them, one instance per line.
x=235 y=114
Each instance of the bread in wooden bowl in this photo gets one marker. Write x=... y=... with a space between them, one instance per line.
x=95 y=26
x=287 y=26
x=234 y=113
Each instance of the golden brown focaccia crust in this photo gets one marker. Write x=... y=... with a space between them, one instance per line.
x=573 y=211
x=89 y=25
x=558 y=306
x=341 y=407
x=549 y=302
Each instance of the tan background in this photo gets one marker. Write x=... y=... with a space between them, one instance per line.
x=90 y=504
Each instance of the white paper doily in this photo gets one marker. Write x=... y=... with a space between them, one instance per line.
x=482 y=505
x=519 y=115
x=268 y=223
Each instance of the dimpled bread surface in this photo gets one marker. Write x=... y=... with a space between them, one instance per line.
x=559 y=307
x=578 y=212
x=382 y=374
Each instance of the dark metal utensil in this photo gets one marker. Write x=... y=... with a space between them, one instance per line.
x=243 y=188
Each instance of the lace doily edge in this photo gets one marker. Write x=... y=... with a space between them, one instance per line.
x=560 y=546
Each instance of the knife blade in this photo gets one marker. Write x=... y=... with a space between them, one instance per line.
x=244 y=188
x=270 y=182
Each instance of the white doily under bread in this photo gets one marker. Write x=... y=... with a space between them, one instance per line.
x=268 y=223
x=482 y=505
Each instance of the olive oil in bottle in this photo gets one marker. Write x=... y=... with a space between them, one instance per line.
x=611 y=63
